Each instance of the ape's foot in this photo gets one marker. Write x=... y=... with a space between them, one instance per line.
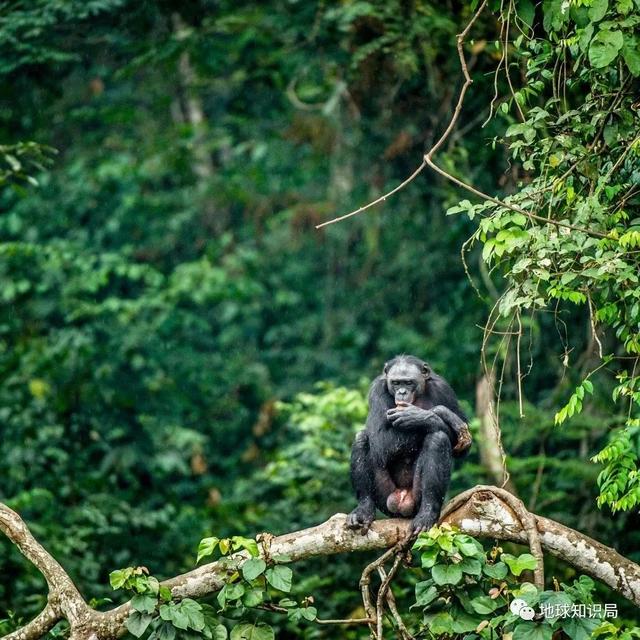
x=423 y=521
x=361 y=518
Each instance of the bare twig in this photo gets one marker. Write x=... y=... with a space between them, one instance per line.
x=401 y=186
x=393 y=609
x=519 y=372
x=594 y=329
x=346 y=621
x=372 y=612
x=274 y=608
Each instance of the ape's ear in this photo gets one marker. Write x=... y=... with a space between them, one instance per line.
x=426 y=371
x=387 y=366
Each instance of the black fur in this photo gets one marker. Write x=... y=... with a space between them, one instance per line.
x=407 y=450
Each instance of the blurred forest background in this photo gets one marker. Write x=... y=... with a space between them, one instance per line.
x=182 y=353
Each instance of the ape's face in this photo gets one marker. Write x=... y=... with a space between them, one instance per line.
x=406 y=381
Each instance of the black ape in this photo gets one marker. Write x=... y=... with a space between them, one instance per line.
x=401 y=462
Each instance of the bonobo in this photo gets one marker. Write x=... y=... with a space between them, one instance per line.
x=401 y=462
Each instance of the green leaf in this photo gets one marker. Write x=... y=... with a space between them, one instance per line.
x=439 y=623
x=192 y=610
x=429 y=557
x=186 y=614
x=280 y=577
x=426 y=593
x=260 y=631
x=446 y=574
x=488 y=249
x=631 y=53
x=424 y=541
x=526 y=11
x=165 y=631
x=309 y=613
x=496 y=571
x=249 y=544
x=144 y=603
x=153 y=586
x=287 y=603
x=165 y=594
x=604 y=48
x=471 y=566
x=532 y=631
x=597 y=10
x=445 y=542
x=252 y=568
x=253 y=598
x=172 y=613
x=519 y=564
x=579 y=628
x=468 y=546
x=117 y=579
x=464 y=623
x=219 y=633
x=624 y=6
x=554 y=15
x=206 y=547
x=585 y=37
x=229 y=593
x=484 y=605
x=137 y=623
x=296 y=614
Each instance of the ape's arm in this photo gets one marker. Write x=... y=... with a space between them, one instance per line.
x=379 y=402
x=439 y=418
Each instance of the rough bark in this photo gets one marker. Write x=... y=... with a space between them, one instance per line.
x=490 y=441
x=479 y=512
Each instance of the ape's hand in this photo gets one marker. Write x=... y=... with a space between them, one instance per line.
x=408 y=416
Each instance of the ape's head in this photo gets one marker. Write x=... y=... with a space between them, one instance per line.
x=406 y=378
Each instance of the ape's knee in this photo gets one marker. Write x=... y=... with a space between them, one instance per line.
x=439 y=440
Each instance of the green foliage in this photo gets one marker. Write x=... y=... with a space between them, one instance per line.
x=163 y=285
x=618 y=480
x=568 y=234
x=470 y=591
x=208 y=546
x=311 y=466
x=19 y=161
x=575 y=402
x=155 y=613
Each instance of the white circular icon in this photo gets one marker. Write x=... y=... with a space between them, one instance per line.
x=516 y=606
x=527 y=613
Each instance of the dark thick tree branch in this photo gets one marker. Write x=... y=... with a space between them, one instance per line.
x=482 y=512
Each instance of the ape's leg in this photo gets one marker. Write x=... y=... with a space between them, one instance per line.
x=431 y=479
x=363 y=480
x=368 y=484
